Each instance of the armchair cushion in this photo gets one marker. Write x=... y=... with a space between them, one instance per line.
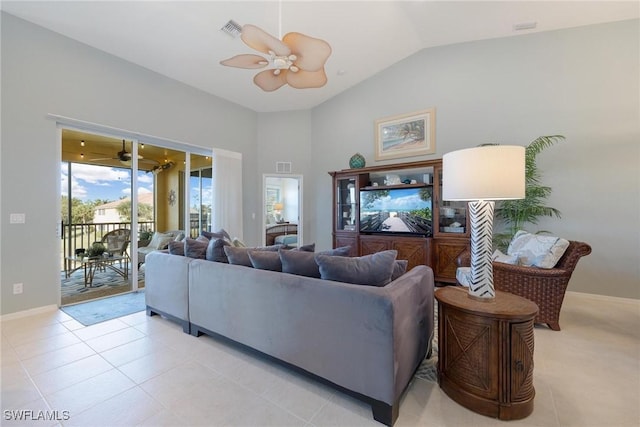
x=498 y=256
x=537 y=250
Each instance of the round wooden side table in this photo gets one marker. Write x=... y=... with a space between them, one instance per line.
x=485 y=360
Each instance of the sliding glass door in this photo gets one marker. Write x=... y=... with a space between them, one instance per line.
x=115 y=194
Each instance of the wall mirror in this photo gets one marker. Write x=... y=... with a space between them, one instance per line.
x=282 y=209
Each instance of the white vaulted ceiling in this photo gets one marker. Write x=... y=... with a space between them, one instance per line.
x=182 y=39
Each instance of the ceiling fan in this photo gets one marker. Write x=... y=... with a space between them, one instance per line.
x=298 y=60
x=125 y=157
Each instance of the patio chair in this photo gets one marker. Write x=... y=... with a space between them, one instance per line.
x=117 y=242
x=545 y=287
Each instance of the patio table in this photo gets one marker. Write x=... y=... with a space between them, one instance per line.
x=91 y=265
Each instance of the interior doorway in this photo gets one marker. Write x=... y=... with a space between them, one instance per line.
x=282 y=212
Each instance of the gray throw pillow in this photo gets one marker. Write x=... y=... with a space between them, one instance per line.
x=220 y=234
x=303 y=263
x=375 y=269
x=240 y=256
x=341 y=251
x=194 y=248
x=176 y=248
x=265 y=260
x=215 y=250
x=399 y=268
x=306 y=248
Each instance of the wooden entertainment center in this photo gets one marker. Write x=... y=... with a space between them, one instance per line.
x=439 y=247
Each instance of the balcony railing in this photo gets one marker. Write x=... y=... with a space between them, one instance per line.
x=76 y=236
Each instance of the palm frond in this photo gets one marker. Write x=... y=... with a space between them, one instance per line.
x=515 y=213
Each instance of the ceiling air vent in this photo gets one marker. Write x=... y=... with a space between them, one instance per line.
x=232 y=28
x=283 y=167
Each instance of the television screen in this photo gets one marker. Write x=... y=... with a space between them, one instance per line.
x=396 y=210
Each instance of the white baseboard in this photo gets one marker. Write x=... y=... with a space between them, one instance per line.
x=30 y=312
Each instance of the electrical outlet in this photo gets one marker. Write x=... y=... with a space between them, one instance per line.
x=17 y=288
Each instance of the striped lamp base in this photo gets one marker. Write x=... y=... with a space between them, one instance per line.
x=481 y=217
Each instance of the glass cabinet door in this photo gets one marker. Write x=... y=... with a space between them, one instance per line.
x=452 y=216
x=347 y=198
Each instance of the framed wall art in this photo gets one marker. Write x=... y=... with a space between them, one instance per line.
x=406 y=135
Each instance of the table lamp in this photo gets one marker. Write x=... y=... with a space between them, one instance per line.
x=481 y=175
x=277 y=211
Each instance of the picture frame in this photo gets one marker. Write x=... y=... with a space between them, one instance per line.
x=406 y=135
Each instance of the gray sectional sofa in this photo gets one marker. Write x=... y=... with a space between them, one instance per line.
x=365 y=340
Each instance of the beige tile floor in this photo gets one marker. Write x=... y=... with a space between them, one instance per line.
x=141 y=371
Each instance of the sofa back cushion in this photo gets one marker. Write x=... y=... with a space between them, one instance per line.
x=375 y=269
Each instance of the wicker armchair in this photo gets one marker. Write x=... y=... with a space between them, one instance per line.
x=545 y=287
x=117 y=241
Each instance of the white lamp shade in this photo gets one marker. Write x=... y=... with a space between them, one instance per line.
x=490 y=172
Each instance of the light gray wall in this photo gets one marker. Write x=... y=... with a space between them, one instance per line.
x=42 y=73
x=582 y=83
x=286 y=137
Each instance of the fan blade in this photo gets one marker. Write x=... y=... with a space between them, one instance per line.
x=262 y=41
x=268 y=81
x=312 y=53
x=306 y=79
x=246 y=61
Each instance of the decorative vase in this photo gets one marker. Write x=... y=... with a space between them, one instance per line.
x=357 y=161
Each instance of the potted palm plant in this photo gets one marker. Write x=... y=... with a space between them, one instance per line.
x=513 y=214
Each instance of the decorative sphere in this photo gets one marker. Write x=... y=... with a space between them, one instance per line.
x=357 y=161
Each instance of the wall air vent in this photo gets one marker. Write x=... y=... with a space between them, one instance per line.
x=283 y=167
x=232 y=28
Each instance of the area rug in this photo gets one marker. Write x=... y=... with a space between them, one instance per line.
x=105 y=283
x=428 y=369
x=92 y=312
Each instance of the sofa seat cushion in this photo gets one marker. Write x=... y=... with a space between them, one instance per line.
x=375 y=269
